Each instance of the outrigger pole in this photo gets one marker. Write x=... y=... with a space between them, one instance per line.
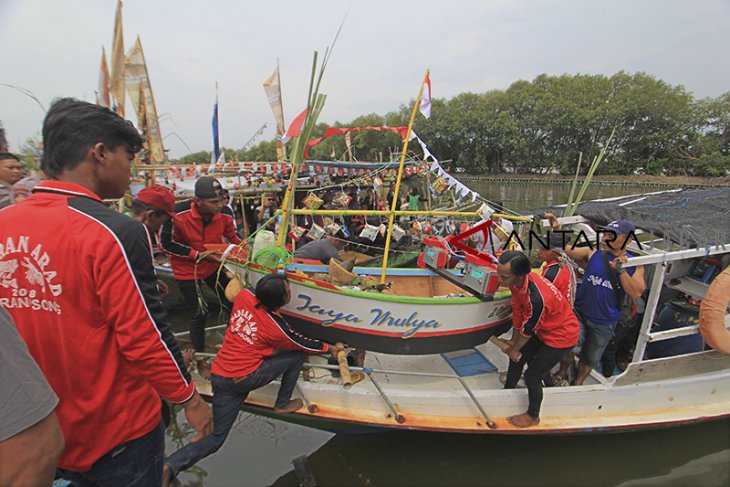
x=396 y=200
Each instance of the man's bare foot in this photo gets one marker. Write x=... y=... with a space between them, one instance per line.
x=188 y=355
x=203 y=369
x=291 y=406
x=523 y=420
x=166 y=476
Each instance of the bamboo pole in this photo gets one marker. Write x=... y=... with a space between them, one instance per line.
x=400 y=175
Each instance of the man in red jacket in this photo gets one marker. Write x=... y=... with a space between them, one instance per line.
x=205 y=219
x=248 y=360
x=78 y=280
x=544 y=329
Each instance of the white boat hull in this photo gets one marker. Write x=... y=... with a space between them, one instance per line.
x=387 y=323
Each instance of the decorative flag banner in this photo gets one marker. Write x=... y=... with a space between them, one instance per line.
x=116 y=83
x=425 y=106
x=103 y=96
x=216 y=143
x=272 y=87
x=296 y=126
x=139 y=90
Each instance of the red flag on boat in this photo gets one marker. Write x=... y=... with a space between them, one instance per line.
x=296 y=126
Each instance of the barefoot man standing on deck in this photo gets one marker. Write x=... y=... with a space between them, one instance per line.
x=544 y=330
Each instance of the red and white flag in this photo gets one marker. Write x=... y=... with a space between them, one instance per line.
x=426 y=97
x=296 y=126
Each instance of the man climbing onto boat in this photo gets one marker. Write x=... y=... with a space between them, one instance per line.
x=248 y=360
x=90 y=311
x=544 y=330
x=201 y=220
x=602 y=291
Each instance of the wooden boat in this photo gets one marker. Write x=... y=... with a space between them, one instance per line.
x=430 y=367
x=461 y=391
x=421 y=312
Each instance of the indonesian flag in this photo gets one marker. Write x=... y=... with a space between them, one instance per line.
x=296 y=126
x=426 y=97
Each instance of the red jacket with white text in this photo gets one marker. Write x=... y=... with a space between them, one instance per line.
x=254 y=334
x=562 y=275
x=539 y=308
x=78 y=280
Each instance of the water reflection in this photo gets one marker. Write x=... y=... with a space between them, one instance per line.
x=689 y=455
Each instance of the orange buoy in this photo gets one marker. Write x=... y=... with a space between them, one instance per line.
x=712 y=313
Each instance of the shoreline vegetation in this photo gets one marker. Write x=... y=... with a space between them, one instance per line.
x=605 y=180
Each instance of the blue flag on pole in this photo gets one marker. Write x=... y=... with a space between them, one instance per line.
x=216 y=144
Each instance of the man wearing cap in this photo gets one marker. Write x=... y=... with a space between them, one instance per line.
x=153 y=206
x=201 y=220
x=600 y=296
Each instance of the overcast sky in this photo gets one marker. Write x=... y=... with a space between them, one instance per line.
x=53 y=48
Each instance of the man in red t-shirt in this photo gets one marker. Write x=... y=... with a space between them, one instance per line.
x=544 y=329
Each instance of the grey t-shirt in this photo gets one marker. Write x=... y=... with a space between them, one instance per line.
x=26 y=397
x=322 y=250
x=5 y=193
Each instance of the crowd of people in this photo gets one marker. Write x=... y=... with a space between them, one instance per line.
x=86 y=340
x=552 y=319
x=87 y=350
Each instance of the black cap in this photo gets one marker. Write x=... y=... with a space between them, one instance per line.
x=208 y=187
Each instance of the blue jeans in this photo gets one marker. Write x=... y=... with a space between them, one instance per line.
x=136 y=462
x=597 y=337
x=228 y=397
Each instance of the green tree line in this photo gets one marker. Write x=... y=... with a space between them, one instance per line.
x=543 y=125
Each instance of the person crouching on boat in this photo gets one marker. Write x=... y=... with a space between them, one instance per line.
x=323 y=249
x=247 y=361
x=544 y=330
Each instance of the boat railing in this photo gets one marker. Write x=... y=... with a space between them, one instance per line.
x=210 y=328
x=659 y=262
x=369 y=371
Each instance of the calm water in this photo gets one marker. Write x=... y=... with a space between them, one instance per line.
x=524 y=196
x=260 y=451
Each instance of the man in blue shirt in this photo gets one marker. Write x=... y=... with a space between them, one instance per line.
x=597 y=303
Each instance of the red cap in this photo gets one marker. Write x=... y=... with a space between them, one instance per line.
x=159 y=197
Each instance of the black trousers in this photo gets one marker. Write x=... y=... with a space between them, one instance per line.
x=540 y=359
x=199 y=316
